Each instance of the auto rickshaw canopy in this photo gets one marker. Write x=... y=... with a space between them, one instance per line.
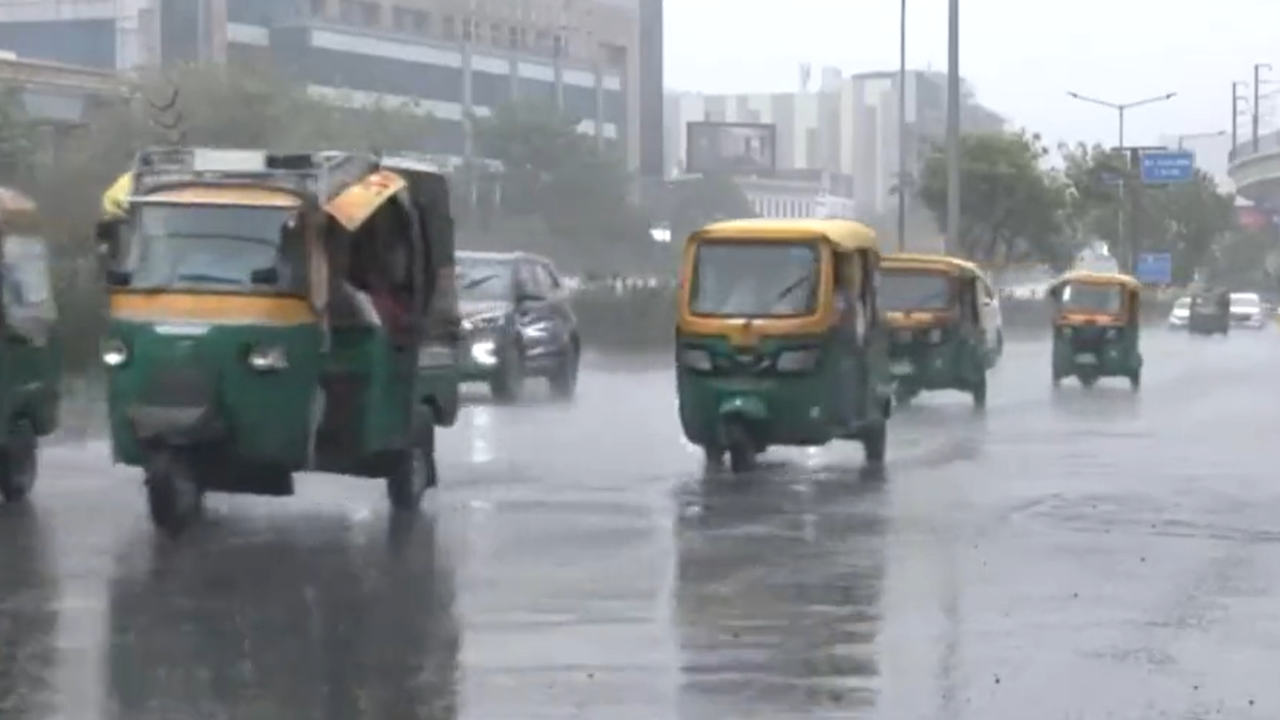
x=1127 y=282
x=929 y=261
x=842 y=235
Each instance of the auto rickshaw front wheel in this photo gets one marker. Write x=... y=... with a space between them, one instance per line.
x=508 y=384
x=19 y=464
x=1135 y=380
x=564 y=379
x=415 y=471
x=175 y=495
x=741 y=446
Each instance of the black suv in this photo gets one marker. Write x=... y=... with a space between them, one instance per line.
x=516 y=324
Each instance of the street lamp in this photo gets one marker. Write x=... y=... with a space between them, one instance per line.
x=902 y=129
x=1120 y=109
x=953 y=127
x=1236 y=97
x=1257 y=87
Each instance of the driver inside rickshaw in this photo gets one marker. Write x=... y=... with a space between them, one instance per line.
x=750 y=279
x=1092 y=298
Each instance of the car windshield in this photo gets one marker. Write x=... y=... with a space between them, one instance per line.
x=905 y=290
x=218 y=248
x=484 y=279
x=750 y=279
x=1087 y=297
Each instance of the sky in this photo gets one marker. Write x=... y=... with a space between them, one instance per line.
x=1021 y=56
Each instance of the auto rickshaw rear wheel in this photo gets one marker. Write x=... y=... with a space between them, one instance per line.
x=874 y=442
x=1135 y=380
x=980 y=392
x=175 y=495
x=415 y=470
x=19 y=463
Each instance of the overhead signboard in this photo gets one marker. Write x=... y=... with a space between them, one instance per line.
x=731 y=148
x=1160 y=167
x=1154 y=269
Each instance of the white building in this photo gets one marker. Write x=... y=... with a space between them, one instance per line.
x=847 y=126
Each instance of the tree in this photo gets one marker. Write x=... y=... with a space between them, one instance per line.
x=1183 y=219
x=579 y=189
x=1011 y=207
x=699 y=200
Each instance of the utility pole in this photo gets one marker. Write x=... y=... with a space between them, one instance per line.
x=1235 y=112
x=1127 y=244
x=953 y=128
x=1257 y=90
x=902 y=129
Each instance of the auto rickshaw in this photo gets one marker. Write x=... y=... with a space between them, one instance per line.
x=939 y=339
x=30 y=356
x=779 y=339
x=1210 y=313
x=271 y=314
x=1096 y=328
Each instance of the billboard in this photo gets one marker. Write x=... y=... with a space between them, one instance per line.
x=731 y=148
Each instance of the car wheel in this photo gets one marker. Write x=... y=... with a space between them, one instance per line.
x=508 y=384
x=564 y=381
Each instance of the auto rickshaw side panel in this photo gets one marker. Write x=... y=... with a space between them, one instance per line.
x=179 y=342
x=801 y=407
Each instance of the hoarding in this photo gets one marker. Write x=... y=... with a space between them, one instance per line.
x=731 y=148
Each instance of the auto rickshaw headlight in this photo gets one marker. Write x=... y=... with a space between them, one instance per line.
x=114 y=353
x=268 y=358
x=797 y=360
x=1112 y=334
x=695 y=359
x=934 y=336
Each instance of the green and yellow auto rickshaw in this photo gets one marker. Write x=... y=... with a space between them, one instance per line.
x=271 y=314
x=939 y=339
x=30 y=356
x=779 y=339
x=1096 y=327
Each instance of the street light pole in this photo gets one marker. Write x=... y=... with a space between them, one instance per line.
x=1257 y=89
x=1235 y=112
x=1120 y=108
x=902 y=129
x=953 y=128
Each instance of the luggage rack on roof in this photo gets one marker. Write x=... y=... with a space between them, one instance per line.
x=321 y=174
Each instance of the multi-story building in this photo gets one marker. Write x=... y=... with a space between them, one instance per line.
x=847 y=127
x=451 y=58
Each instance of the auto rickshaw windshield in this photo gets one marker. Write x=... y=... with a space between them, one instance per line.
x=481 y=280
x=753 y=279
x=1093 y=298
x=906 y=290
x=215 y=248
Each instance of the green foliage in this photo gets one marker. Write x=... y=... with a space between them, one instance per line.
x=700 y=200
x=1011 y=208
x=1185 y=220
x=579 y=189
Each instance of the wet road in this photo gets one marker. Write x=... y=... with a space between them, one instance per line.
x=1098 y=555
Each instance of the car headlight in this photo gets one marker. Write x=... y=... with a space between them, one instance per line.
x=268 y=358
x=483 y=322
x=114 y=353
x=934 y=336
x=797 y=360
x=695 y=359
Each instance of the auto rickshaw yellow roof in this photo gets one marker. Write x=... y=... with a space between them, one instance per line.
x=1096 y=278
x=954 y=265
x=844 y=235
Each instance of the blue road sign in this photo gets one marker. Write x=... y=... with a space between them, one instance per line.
x=1168 y=166
x=1154 y=269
